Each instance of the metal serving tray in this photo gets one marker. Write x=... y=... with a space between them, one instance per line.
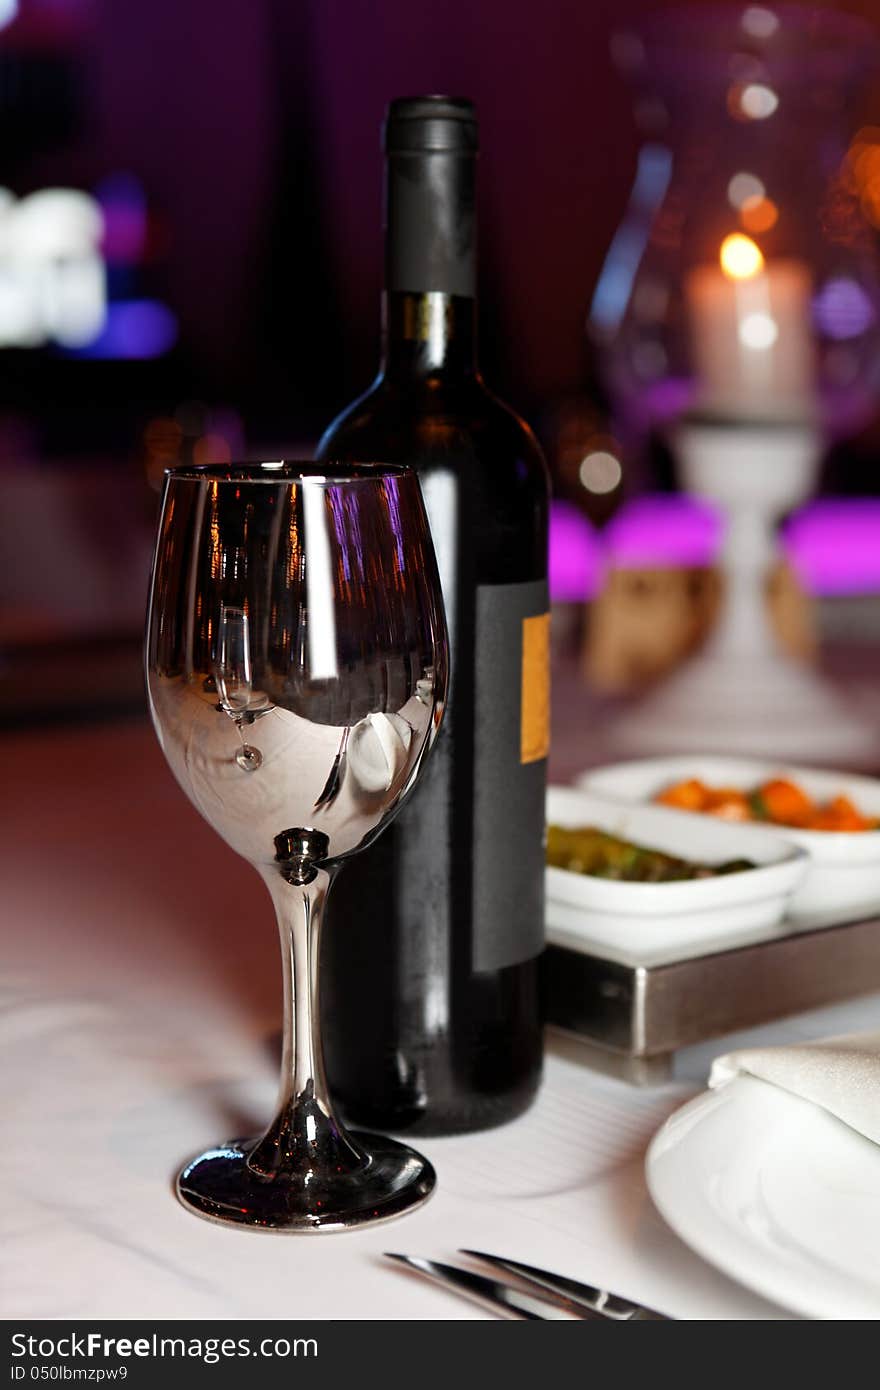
x=635 y=1017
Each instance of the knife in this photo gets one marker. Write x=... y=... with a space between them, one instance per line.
x=580 y=1295
x=513 y=1303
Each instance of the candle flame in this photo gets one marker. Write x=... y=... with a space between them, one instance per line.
x=740 y=258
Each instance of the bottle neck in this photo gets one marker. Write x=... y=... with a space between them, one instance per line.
x=429 y=309
x=428 y=335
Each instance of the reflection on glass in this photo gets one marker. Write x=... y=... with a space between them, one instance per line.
x=232 y=675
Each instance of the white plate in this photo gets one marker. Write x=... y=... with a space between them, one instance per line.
x=645 y=923
x=845 y=870
x=777 y=1193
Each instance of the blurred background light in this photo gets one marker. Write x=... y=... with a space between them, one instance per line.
x=758 y=331
x=52 y=280
x=740 y=258
x=751 y=101
x=600 y=471
x=658 y=531
x=124 y=208
x=576 y=564
x=758 y=214
x=832 y=544
x=134 y=328
x=743 y=187
x=843 y=309
x=759 y=22
x=758 y=101
x=615 y=282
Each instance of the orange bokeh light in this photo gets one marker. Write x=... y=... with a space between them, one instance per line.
x=758 y=214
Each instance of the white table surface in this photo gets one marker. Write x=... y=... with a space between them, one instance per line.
x=140 y=995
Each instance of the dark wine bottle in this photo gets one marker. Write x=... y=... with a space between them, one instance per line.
x=429 y=978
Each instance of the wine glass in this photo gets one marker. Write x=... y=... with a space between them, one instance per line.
x=296 y=667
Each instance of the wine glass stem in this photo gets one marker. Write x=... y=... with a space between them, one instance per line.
x=305 y=1135
x=302 y=1065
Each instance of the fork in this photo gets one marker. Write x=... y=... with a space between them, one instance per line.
x=534 y=1294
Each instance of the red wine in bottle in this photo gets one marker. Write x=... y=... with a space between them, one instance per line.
x=429 y=977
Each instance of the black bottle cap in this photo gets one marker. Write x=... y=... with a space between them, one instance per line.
x=429 y=124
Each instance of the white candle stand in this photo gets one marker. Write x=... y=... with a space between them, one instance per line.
x=741 y=694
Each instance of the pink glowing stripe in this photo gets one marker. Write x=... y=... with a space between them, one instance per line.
x=664 y=530
x=575 y=556
x=833 y=543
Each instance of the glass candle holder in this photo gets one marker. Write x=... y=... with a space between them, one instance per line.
x=743 y=283
x=738 y=318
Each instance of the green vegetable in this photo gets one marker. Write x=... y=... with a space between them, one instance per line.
x=584 y=850
x=758 y=806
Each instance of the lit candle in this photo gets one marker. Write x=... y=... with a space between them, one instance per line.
x=750 y=334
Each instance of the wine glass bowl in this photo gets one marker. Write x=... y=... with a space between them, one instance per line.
x=296 y=669
x=293 y=619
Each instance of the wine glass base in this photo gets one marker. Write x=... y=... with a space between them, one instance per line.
x=219 y=1185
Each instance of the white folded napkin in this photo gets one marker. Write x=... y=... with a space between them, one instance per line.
x=840 y=1074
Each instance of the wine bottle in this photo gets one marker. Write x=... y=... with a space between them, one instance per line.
x=430 y=1001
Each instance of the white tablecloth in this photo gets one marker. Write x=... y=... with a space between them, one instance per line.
x=141 y=992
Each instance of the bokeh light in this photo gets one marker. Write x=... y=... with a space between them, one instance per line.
x=744 y=187
x=758 y=331
x=758 y=101
x=751 y=101
x=759 y=22
x=600 y=471
x=134 y=329
x=759 y=214
x=843 y=309
x=740 y=258
x=52 y=278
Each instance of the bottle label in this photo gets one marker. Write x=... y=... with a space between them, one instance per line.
x=511 y=741
x=535 y=700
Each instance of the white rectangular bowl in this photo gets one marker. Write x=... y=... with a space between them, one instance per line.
x=653 y=923
x=844 y=873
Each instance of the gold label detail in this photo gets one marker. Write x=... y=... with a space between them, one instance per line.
x=426 y=316
x=535 y=721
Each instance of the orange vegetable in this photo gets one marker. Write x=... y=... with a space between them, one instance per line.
x=729 y=803
x=786 y=803
x=840 y=814
x=686 y=796
x=780 y=801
